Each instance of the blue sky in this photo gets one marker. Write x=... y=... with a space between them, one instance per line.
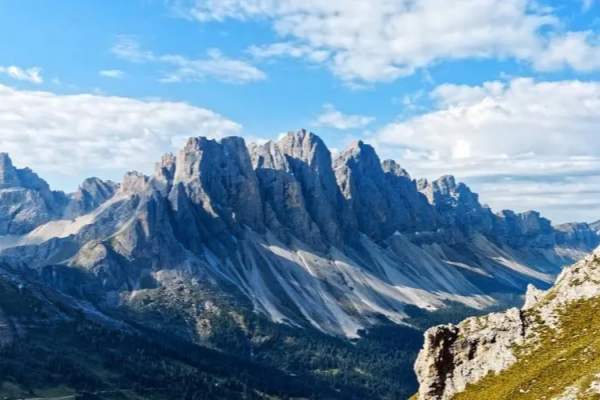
x=505 y=94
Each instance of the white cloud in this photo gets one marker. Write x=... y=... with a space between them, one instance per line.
x=504 y=137
x=497 y=119
x=112 y=73
x=30 y=74
x=577 y=50
x=128 y=48
x=334 y=119
x=383 y=40
x=587 y=4
x=289 y=50
x=82 y=135
x=216 y=65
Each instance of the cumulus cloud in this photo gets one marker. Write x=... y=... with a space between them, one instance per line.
x=382 y=40
x=577 y=50
x=112 y=73
x=333 y=118
x=80 y=135
x=501 y=119
x=500 y=133
x=29 y=74
x=216 y=65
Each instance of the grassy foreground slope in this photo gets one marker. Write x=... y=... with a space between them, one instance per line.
x=52 y=345
x=566 y=362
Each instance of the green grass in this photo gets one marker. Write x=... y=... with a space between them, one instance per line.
x=564 y=358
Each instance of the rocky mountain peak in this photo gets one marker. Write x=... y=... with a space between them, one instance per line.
x=98 y=188
x=92 y=193
x=134 y=183
x=8 y=173
x=359 y=153
x=439 y=190
x=218 y=176
x=12 y=177
x=164 y=174
x=391 y=166
x=267 y=155
x=306 y=147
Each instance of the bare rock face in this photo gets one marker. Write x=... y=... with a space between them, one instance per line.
x=92 y=193
x=456 y=356
x=526 y=229
x=26 y=201
x=311 y=163
x=583 y=234
x=133 y=183
x=8 y=173
x=218 y=177
x=362 y=181
x=285 y=205
x=164 y=174
x=457 y=206
x=533 y=297
x=414 y=213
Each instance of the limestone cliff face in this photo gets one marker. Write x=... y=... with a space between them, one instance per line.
x=508 y=344
x=92 y=193
x=26 y=201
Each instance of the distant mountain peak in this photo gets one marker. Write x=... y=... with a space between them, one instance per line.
x=391 y=166
x=8 y=173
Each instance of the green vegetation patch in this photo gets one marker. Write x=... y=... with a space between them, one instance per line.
x=565 y=358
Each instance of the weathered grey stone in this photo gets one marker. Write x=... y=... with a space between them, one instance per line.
x=26 y=201
x=455 y=356
x=92 y=193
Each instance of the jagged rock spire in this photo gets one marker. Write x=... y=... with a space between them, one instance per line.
x=8 y=173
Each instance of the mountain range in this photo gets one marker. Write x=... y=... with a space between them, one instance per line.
x=305 y=241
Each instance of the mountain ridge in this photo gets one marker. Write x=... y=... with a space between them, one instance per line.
x=309 y=239
x=322 y=269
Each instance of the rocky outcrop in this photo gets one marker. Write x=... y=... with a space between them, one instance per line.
x=90 y=195
x=311 y=162
x=26 y=201
x=585 y=235
x=457 y=206
x=527 y=229
x=454 y=357
x=383 y=198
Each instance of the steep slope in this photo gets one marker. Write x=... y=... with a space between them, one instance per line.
x=285 y=230
x=26 y=201
x=548 y=349
x=53 y=345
